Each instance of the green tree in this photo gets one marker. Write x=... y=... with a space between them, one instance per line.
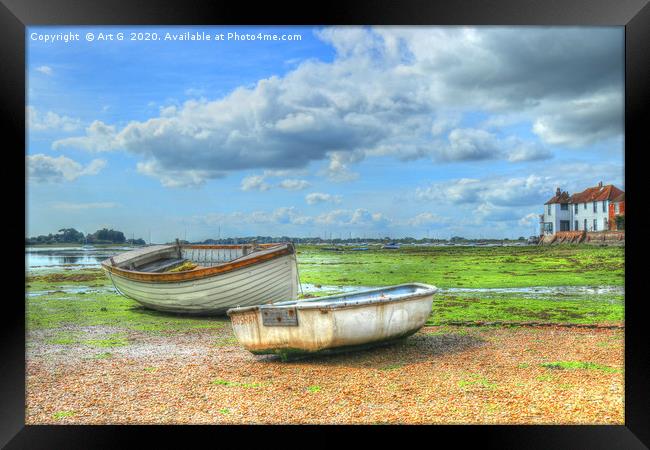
x=70 y=235
x=620 y=222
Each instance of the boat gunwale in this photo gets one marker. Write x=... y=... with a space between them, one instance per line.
x=283 y=249
x=314 y=303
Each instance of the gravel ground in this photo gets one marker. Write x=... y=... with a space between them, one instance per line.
x=439 y=375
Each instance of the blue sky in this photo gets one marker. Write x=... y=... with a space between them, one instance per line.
x=362 y=131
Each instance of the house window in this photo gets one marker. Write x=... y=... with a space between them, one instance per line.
x=616 y=207
x=585 y=205
x=605 y=227
x=595 y=209
x=575 y=210
x=564 y=206
x=549 y=210
x=576 y=225
x=595 y=225
x=604 y=206
x=585 y=223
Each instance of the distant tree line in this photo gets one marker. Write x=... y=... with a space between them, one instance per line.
x=72 y=236
x=106 y=236
x=318 y=240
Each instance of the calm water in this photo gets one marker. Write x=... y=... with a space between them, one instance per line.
x=55 y=258
x=39 y=258
x=533 y=291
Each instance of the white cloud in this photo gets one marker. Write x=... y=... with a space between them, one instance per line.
x=99 y=138
x=259 y=182
x=357 y=218
x=509 y=198
x=174 y=178
x=583 y=121
x=286 y=215
x=389 y=91
x=470 y=145
x=195 y=92
x=47 y=70
x=520 y=150
x=344 y=217
x=50 y=121
x=362 y=216
x=286 y=172
x=292 y=184
x=474 y=144
x=490 y=192
x=254 y=183
x=529 y=219
x=46 y=169
x=427 y=218
x=338 y=168
x=445 y=122
x=83 y=206
x=319 y=197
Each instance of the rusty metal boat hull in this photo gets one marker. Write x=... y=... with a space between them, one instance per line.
x=334 y=323
x=227 y=276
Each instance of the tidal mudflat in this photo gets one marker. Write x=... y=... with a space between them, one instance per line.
x=96 y=357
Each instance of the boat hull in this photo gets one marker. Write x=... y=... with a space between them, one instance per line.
x=265 y=282
x=332 y=329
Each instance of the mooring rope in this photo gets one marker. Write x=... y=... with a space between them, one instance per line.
x=110 y=275
x=297 y=270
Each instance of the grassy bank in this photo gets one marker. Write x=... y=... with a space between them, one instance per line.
x=586 y=310
x=60 y=309
x=485 y=267
x=83 y=297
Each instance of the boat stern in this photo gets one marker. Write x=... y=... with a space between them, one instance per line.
x=268 y=329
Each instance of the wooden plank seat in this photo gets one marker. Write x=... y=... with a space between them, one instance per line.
x=161 y=265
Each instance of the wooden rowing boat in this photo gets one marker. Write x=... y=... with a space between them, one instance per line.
x=224 y=276
x=334 y=323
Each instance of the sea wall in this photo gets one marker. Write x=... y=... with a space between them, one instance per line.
x=605 y=237
x=585 y=237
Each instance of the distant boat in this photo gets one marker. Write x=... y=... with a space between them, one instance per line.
x=86 y=246
x=335 y=323
x=208 y=279
x=533 y=240
x=391 y=246
x=359 y=249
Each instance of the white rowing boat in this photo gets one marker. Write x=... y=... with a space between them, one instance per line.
x=224 y=276
x=333 y=323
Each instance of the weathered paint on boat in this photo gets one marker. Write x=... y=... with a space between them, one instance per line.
x=334 y=323
x=228 y=275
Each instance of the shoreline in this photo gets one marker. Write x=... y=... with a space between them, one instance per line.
x=489 y=375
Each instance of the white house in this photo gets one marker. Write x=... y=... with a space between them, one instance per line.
x=587 y=210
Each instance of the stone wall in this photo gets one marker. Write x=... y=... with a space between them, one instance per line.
x=605 y=237
x=585 y=237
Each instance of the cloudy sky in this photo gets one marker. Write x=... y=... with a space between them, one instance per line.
x=362 y=131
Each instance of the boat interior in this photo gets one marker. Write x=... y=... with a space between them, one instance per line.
x=391 y=292
x=181 y=258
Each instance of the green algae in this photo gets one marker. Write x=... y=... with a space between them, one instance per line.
x=507 y=307
x=58 y=310
x=485 y=267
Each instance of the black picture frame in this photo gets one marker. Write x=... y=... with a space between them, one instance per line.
x=15 y=15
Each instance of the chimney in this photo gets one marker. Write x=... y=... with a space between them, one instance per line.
x=558 y=192
x=600 y=184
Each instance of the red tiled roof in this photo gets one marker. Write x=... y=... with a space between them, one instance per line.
x=563 y=197
x=619 y=198
x=596 y=194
